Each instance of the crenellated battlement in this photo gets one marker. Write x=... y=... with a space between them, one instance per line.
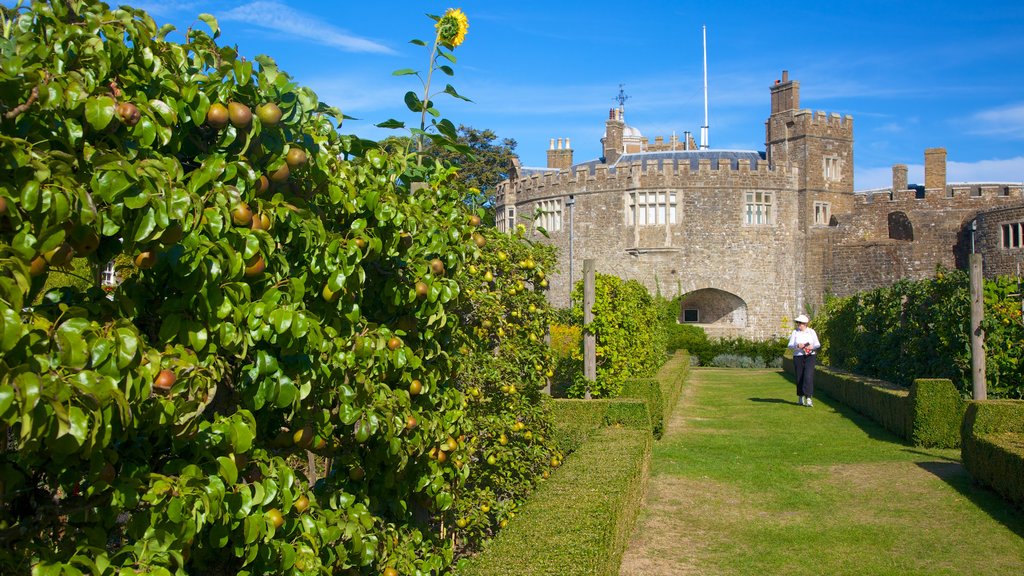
x=822 y=119
x=655 y=173
x=953 y=193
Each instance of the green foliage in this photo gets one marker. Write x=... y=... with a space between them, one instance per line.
x=671 y=378
x=575 y=420
x=993 y=446
x=687 y=337
x=885 y=403
x=630 y=339
x=482 y=168
x=566 y=346
x=505 y=364
x=920 y=329
x=583 y=516
x=275 y=312
x=648 y=390
x=938 y=411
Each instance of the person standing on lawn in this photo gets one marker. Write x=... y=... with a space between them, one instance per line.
x=804 y=344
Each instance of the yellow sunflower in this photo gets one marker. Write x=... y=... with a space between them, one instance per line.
x=452 y=27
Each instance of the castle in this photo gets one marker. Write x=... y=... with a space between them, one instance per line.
x=751 y=238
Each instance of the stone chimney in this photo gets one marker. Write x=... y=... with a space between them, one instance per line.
x=613 y=131
x=935 y=169
x=785 y=94
x=558 y=156
x=899 y=177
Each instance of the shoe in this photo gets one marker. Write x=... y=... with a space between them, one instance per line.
x=809 y=402
x=803 y=401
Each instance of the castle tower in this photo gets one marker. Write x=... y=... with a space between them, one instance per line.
x=817 y=144
x=559 y=157
x=613 y=131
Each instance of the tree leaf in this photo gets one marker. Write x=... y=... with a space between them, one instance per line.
x=211 y=21
x=99 y=111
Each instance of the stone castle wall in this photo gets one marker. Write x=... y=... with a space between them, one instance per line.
x=708 y=246
x=861 y=254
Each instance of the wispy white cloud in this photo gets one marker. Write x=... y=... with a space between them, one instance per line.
x=1005 y=121
x=278 y=17
x=1005 y=170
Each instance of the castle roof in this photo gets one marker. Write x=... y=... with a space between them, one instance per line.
x=677 y=157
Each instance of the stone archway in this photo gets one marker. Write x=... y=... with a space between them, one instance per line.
x=713 y=309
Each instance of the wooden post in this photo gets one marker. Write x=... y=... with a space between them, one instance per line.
x=589 y=339
x=977 y=334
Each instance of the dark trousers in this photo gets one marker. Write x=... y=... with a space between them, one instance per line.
x=804 y=366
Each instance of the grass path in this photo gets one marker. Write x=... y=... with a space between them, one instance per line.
x=747 y=482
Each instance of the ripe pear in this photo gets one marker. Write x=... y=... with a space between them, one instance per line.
x=217 y=116
x=269 y=114
x=240 y=115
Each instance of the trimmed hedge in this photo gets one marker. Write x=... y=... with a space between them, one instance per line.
x=938 y=410
x=993 y=446
x=575 y=420
x=583 y=515
x=671 y=378
x=648 y=390
x=928 y=414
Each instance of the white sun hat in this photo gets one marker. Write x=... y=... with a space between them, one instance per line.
x=802 y=319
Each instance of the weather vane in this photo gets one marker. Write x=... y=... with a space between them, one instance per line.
x=622 y=97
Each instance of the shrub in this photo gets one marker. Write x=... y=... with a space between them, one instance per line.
x=885 y=403
x=735 y=361
x=584 y=514
x=993 y=446
x=567 y=350
x=504 y=364
x=920 y=329
x=630 y=339
x=938 y=410
x=648 y=390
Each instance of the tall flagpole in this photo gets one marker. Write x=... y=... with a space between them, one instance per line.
x=704 y=128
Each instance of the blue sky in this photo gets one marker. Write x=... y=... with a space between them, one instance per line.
x=912 y=74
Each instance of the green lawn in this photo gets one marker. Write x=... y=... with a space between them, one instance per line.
x=747 y=482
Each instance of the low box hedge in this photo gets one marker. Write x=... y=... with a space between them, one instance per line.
x=648 y=390
x=992 y=447
x=928 y=414
x=937 y=412
x=575 y=420
x=671 y=378
x=580 y=520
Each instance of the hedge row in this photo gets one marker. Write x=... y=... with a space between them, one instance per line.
x=583 y=516
x=993 y=446
x=594 y=499
x=576 y=420
x=928 y=414
x=660 y=393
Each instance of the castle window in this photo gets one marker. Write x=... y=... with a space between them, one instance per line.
x=505 y=220
x=691 y=315
x=549 y=215
x=650 y=208
x=822 y=213
x=1012 y=234
x=759 y=209
x=832 y=169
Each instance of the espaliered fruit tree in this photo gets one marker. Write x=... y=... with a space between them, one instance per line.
x=289 y=295
x=505 y=365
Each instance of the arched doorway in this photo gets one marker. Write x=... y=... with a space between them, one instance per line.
x=713 y=308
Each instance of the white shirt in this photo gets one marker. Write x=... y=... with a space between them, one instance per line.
x=799 y=338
